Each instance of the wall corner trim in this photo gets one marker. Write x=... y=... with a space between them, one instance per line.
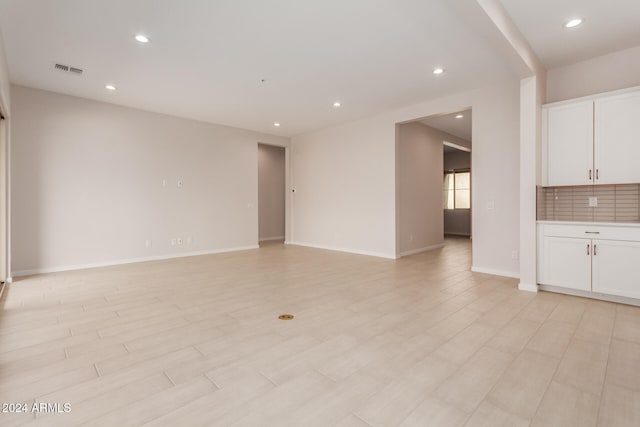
x=527 y=287
x=419 y=250
x=269 y=239
x=495 y=272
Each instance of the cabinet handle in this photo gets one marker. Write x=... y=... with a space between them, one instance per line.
x=591 y=232
x=589 y=174
x=594 y=249
x=588 y=249
x=597 y=173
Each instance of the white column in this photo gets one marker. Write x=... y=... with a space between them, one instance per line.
x=531 y=95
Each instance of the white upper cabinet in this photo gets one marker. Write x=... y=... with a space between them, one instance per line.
x=617 y=139
x=569 y=143
x=592 y=141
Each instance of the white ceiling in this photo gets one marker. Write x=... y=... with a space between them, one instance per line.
x=609 y=26
x=206 y=58
x=449 y=124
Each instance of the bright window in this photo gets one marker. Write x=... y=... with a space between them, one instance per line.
x=456 y=192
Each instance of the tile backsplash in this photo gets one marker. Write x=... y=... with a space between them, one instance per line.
x=615 y=203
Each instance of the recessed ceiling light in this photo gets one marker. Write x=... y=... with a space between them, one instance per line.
x=276 y=124
x=110 y=87
x=336 y=104
x=438 y=70
x=459 y=116
x=573 y=23
x=142 y=38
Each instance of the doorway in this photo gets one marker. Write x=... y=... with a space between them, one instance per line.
x=457 y=190
x=434 y=182
x=271 y=194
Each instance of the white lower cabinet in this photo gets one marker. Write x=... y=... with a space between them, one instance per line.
x=616 y=268
x=568 y=262
x=600 y=259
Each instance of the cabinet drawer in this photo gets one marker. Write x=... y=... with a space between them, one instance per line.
x=585 y=231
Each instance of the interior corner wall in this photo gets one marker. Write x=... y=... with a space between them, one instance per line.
x=457 y=221
x=88 y=184
x=271 y=192
x=345 y=179
x=605 y=73
x=420 y=173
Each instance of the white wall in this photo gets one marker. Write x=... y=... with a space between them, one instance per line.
x=616 y=70
x=344 y=176
x=344 y=179
x=271 y=192
x=457 y=221
x=5 y=105
x=87 y=183
x=5 y=85
x=420 y=188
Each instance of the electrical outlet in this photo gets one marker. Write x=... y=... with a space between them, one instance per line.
x=148 y=243
x=593 y=202
x=411 y=238
x=164 y=182
x=189 y=240
x=491 y=205
x=173 y=242
x=514 y=254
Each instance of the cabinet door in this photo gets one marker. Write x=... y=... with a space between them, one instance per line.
x=566 y=262
x=616 y=268
x=569 y=144
x=617 y=139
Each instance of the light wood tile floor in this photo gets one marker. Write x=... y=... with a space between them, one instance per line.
x=421 y=341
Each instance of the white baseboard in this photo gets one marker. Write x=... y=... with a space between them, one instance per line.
x=425 y=249
x=457 y=234
x=589 y=294
x=268 y=239
x=495 y=272
x=527 y=287
x=351 y=251
x=127 y=261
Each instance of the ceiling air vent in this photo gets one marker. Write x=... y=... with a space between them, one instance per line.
x=68 y=69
